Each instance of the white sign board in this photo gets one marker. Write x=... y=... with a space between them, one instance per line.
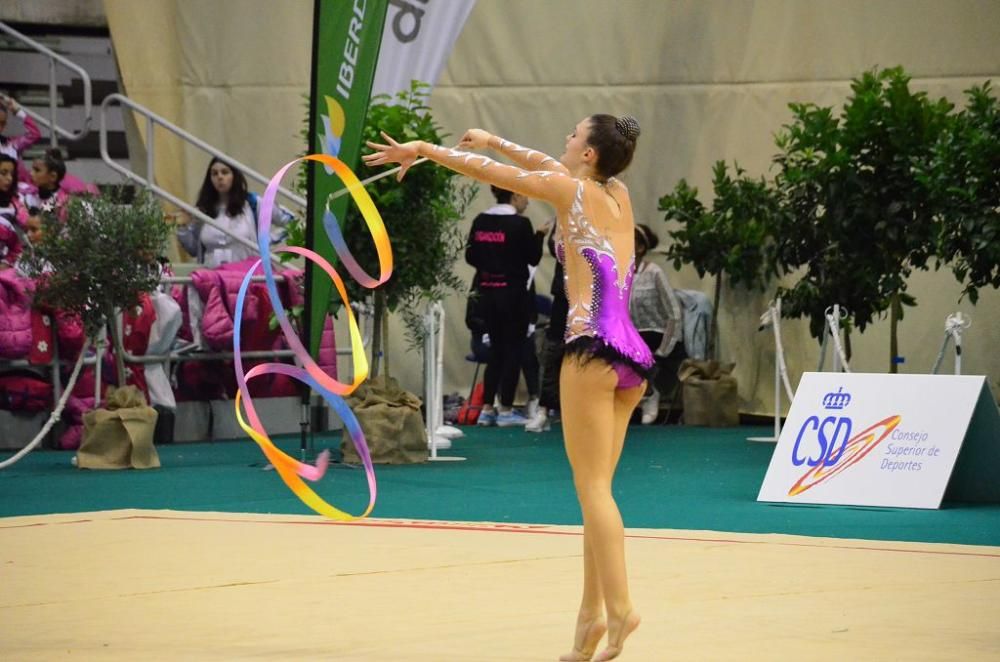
x=875 y=439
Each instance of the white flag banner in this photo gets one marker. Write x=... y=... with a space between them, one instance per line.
x=416 y=41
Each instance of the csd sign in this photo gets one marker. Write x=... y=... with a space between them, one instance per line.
x=821 y=441
x=844 y=441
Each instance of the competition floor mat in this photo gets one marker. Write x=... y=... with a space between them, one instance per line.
x=171 y=585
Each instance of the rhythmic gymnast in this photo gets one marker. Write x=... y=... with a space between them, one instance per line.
x=603 y=374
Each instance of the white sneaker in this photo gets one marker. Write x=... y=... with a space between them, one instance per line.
x=539 y=422
x=449 y=432
x=650 y=407
x=531 y=410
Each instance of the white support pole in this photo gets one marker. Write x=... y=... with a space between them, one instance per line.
x=831 y=331
x=954 y=324
x=433 y=377
x=773 y=318
x=834 y=323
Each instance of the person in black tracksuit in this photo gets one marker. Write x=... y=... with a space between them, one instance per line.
x=552 y=352
x=501 y=246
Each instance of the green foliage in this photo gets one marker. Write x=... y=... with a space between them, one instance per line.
x=859 y=218
x=102 y=258
x=964 y=180
x=421 y=214
x=734 y=237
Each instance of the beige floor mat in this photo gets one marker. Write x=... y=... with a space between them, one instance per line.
x=164 y=585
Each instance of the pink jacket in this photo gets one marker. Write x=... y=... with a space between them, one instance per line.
x=15 y=315
x=218 y=289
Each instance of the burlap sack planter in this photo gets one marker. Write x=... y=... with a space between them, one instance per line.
x=120 y=436
x=391 y=420
x=708 y=390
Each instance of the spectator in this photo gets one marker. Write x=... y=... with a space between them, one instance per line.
x=13 y=213
x=47 y=173
x=656 y=314
x=552 y=346
x=501 y=246
x=14 y=146
x=224 y=197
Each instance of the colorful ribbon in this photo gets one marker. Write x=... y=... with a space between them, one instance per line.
x=291 y=470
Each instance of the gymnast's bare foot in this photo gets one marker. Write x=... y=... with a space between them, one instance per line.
x=617 y=633
x=588 y=635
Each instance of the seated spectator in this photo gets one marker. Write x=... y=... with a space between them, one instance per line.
x=656 y=314
x=13 y=213
x=47 y=173
x=14 y=146
x=224 y=197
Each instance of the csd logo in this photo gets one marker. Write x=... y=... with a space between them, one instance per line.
x=821 y=441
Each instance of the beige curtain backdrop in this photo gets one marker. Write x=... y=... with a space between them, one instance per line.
x=707 y=79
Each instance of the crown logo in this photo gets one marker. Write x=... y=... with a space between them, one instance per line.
x=837 y=400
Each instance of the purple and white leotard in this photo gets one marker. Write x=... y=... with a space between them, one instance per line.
x=598 y=324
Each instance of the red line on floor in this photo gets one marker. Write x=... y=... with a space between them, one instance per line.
x=508 y=528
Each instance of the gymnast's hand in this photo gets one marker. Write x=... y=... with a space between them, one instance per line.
x=475 y=139
x=402 y=153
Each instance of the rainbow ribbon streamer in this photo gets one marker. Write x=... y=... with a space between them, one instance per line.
x=291 y=470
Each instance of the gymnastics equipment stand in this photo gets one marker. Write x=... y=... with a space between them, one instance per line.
x=772 y=318
x=954 y=324
x=438 y=434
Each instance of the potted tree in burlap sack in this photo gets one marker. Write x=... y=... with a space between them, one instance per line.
x=95 y=263
x=734 y=238
x=421 y=214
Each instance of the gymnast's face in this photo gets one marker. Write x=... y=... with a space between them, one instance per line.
x=578 y=153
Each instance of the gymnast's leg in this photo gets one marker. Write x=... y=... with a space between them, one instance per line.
x=594 y=425
x=623 y=621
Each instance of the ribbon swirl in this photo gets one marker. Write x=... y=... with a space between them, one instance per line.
x=291 y=470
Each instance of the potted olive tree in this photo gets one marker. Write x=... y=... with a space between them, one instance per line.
x=95 y=259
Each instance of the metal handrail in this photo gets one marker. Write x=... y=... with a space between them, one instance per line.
x=55 y=58
x=152 y=119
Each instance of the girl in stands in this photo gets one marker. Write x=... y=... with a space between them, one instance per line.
x=13 y=213
x=14 y=146
x=603 y=371
x=47 y=174
x=225 y=198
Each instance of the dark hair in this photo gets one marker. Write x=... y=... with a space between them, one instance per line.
x=502 y=195
x=644 y=234
x=53 y=161
x=614 y=139
x=208 y=197
x=7 y=196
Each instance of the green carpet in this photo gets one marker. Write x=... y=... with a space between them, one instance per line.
x=669 y=477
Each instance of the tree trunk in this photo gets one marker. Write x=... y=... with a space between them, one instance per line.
x=116 y=338
x=895 y=312
x=713 y=331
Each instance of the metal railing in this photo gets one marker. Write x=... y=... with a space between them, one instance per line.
x=54 y=59
x=152 y=120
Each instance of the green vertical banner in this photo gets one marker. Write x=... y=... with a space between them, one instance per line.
x=346 y=39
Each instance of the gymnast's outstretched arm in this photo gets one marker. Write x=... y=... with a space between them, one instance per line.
x=523 y=157
x=556 y=188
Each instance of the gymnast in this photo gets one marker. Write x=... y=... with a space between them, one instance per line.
x=603 y=374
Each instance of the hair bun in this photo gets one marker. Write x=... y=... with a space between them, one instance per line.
x=628 y=126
